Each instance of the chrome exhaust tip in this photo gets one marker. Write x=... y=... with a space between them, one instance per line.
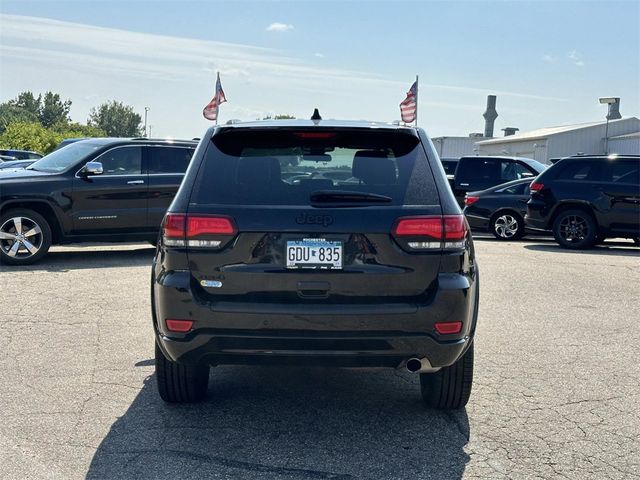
x=420 y=365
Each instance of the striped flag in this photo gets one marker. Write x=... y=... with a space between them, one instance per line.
x=409 y=106
x=210 y=112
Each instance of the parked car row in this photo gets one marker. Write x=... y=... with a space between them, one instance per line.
x=581 y=200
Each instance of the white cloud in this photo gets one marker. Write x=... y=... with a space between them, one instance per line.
x=279 y=27
x=318 y=55
x=575 y=58
x=548 y=58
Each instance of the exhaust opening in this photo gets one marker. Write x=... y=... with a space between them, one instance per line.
x=414 y=365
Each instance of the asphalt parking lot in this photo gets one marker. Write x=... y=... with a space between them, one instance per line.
x=556 y=390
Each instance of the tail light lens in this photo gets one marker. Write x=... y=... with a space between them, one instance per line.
x=470 y=200
x=432 y=232
x=448 y=328
x=199 y=231
x=536 y=187
x=181 y=326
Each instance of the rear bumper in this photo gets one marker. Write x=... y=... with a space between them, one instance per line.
x=380 y=335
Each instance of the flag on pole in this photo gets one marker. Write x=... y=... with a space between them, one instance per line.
x=210 y=112
x=409 y=106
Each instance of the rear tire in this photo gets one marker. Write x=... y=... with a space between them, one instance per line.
x=507 y=225
x=575 y=229
x=180 y=383
x=449 y=387
x=25 y=237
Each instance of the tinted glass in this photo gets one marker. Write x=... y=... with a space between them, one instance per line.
x=449 y=166
x=623 y=171
x=169 y=159
x=283 y=167
x=64 y=158
x=120 y=161
x=480 y=169
x=578 y=171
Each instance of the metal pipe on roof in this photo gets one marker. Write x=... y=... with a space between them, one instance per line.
x=490 y=116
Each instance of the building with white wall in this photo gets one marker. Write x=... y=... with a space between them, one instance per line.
x=562 y=141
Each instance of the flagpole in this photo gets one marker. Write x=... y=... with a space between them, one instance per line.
x=416 y=100
x=218 y=106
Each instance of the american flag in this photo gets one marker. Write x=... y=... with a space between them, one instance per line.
x=210 y=112
x=409 y=106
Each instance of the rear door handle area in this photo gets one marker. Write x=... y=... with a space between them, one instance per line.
x=135 y=182
x=313 y=289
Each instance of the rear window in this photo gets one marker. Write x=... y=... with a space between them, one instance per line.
x=285 y=167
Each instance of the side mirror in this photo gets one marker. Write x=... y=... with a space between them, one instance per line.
x=93 y=168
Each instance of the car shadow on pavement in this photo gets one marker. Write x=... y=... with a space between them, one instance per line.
x=64 y=260
x=287 y=423
x=624 y=249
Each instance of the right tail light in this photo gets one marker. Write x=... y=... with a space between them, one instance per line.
x=536 y=187
x=426 y=233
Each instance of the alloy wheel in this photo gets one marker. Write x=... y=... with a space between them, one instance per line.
x=506 y=226
x=574 y=228
x=20 y=237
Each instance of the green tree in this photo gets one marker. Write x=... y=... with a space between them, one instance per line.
x=28 y=102
x=29 y=136
x=10 y=113
x=116 y=119
x=77 y=130
x=54 y=110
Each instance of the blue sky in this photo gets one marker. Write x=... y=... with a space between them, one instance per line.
x=548 y=62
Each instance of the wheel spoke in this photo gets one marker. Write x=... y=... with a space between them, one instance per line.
x=17 y=223
x=14 y=249
x=7 y=236
x=34 y=231
x=30 y=246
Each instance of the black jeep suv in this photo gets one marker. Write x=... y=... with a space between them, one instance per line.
x=479 y=173
x=585 y=199
x=267 y=256
x=104 y=189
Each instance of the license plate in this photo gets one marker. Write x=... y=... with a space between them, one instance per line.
x=314 y=253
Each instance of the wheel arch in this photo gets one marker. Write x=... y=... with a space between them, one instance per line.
x=572 y=205
x=44 y=209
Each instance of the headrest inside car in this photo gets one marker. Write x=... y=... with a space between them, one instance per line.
x=258 y=171
x=374 y=167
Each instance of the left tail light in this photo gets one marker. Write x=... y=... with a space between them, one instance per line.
x=197 y=231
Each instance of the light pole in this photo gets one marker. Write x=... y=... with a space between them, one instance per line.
x=613 y=112
x=146 y=133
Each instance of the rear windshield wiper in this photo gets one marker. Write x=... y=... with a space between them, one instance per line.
x=346 y=197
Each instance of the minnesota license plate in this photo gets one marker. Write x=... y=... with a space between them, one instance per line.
x=314 y=253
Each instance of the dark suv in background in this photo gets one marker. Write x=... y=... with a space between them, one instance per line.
x=267 y=256
x=586 y=199
x=98 y=190
x=482 y=172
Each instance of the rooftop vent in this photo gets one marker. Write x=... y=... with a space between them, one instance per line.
x=508 y=131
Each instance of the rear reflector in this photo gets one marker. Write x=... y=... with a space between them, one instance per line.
x=470 y=200
x=536 y=187
x=432 y=232
x=180 y=326
x=447 y=328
